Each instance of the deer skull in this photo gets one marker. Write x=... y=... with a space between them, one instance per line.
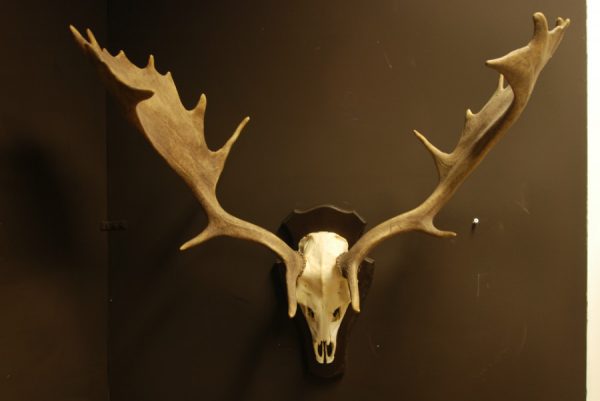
x=322 y=291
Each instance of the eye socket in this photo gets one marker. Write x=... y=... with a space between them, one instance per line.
x=336 y=313
x=311 y=313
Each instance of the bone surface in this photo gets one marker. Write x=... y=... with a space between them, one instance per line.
x=322 y=291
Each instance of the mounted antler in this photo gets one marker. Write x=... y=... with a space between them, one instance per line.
x=480 y=133
x=152 y=102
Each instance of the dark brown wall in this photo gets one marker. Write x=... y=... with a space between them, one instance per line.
x=334 y=90
x=53 y=257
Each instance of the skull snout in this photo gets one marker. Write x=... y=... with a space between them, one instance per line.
x=324 y=351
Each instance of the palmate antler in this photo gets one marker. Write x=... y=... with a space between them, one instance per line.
x=480 y=133
x=153 y=104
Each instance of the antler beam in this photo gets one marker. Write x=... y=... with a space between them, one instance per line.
x=481 y=132
x=153 y=104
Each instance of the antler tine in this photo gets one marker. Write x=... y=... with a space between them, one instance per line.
x=481 y=132
x=152 y=102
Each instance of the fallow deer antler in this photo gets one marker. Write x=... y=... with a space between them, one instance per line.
x=152 y=102
x=481 y=132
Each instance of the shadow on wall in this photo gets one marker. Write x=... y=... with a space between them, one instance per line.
x=51 y=306
x=35 y=209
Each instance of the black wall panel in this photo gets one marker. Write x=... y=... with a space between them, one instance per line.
x=333 y=90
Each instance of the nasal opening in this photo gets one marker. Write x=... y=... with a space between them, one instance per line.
x=324 y=352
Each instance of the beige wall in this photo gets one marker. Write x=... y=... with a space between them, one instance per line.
x=593 y=365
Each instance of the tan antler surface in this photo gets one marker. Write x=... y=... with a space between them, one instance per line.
x=152 y=102
x=481 y=132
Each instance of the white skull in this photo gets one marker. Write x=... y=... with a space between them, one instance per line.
x=322 y=291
